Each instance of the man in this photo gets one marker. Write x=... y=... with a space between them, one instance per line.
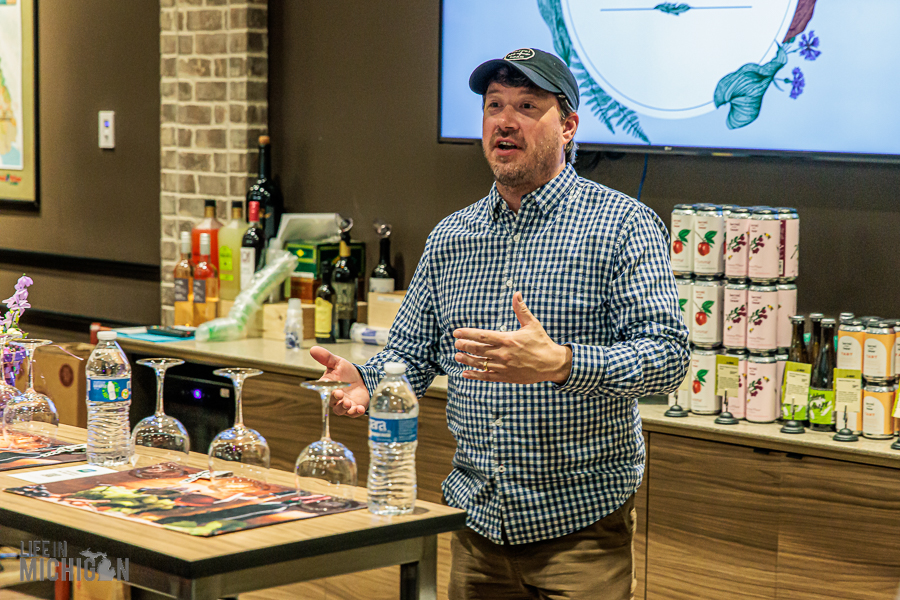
x=551 y=306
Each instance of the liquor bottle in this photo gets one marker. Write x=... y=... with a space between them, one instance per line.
x=230 y=238
x=253 y=246
x=184 y=282
x=821 y=387
x=265 y=191
x=797 y=351
x=206 y=284
x=211 y=225
x=324 y=314
x=383 y=278
x=812 y=348
x=344 y=281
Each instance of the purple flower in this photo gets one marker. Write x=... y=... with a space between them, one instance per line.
x=808 y=46
x=797 y=83
x=16 y=304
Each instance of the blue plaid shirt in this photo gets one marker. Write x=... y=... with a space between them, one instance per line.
x=540 y=461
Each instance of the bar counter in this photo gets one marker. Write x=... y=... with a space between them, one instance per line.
x=724 y=511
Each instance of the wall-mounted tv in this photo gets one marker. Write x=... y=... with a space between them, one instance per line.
x=796 y=77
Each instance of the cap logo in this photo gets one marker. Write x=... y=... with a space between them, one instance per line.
x=521 y=54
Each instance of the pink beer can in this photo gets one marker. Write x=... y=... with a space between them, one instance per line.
x=762 y=374
x=737 y=405
x=737 y=232
x=787 y=306
x=764 y=245
x=734 y=307
x=789 y=249
x=762 y=318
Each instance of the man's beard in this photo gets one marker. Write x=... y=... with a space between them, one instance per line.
x=534 y=169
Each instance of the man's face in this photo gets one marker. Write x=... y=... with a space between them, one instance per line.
x=522 y=136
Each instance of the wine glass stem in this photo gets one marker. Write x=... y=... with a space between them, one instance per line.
x=326 y=433
x=160 y=378
x=238 y=408
x=29 y=353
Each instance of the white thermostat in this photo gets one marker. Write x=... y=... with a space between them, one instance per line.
x=107 y=125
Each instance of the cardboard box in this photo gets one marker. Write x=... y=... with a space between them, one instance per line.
x=275 y=314
x=311 y=255
x=383 y=308
x=60 y=375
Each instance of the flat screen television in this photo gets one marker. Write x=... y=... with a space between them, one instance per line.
x=736 y=77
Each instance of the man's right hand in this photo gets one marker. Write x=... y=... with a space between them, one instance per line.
x=351 y=401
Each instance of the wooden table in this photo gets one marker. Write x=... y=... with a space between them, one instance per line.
x=184 y=566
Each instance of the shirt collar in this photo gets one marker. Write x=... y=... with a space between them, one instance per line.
x=546 y=198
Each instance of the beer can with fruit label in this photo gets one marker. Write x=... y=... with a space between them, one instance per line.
x=682 y=239
x=737 y=232
x=878 y=351
x=764 y=243
x=704 y=400
x=851 y=341
x=685 y=287
x=762 y=373
x=737 y=404
x=706 y=311
x=709 y=240
x=787 y=306
x=734 y=308
x=789 y=248
x=878 y=402
x=762 y=318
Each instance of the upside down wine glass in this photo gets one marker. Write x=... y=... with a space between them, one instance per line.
x=325 y=459
x=7 y=392
x=161 y=431
x=32 y=414
x=240 y=450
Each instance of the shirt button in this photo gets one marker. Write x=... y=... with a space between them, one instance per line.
x=498 y=422
x=517 y=237
x=509 y=283
x=503 y=328
x=501 y=469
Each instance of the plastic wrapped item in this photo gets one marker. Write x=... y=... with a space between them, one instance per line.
x=250 y=300
x=377 y=336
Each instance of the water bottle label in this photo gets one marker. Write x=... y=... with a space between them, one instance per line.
x=390 y=431
x=108 y=389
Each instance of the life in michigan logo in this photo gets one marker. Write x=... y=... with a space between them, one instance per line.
x=42 y=560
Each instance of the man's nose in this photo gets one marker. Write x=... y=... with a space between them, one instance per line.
x=507 y=119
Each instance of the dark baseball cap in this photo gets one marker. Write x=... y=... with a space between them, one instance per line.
x=543 y=69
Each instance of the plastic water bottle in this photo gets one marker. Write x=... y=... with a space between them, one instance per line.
x=293 y=325
x=393 y=425
x=108 y=401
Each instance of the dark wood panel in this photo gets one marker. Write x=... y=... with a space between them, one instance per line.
x=711 y=521
x=839 y=531
x=640 y=534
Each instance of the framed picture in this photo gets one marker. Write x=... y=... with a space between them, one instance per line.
x=18 y=105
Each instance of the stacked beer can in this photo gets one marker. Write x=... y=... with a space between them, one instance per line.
x=736 y=269
x=871 y=345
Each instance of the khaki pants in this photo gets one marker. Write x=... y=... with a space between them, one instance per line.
x=595 y=563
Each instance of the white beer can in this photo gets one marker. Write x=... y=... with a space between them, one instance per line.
x=762 y=372
x=682 y=239
x=709 y=242
x=737 y=232
x=734 y=323
x=704 y=400
x=707 y=311
x=765 y=245
x=789 y=250
x=762 y=318
x=685 y=287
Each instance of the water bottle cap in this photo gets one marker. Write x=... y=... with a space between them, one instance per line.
x=106 y=336
x=395 y=368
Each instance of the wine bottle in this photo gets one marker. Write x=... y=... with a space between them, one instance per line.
x=383 y=278
x=344 y=281
x=184 y=282
x=821 y=386
x=211 y=225
x=230 y=238
x=253 y=245
x=324 y=314
x=265 y=191
x=206 y=284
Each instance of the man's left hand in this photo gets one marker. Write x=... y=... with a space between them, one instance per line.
x=527 y=355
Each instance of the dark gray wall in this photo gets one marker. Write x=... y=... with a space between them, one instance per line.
x=353 y=115
x=94 y=55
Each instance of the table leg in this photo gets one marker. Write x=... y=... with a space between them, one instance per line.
x=418 y=580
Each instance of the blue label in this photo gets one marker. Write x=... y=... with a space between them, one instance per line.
x=108 y=389
x=392 y=431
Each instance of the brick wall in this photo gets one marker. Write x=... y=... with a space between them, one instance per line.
x=213 y=94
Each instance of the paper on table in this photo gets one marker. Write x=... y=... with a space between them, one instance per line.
x=63 y=473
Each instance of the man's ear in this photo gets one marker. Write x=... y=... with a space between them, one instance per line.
x=570 y=126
